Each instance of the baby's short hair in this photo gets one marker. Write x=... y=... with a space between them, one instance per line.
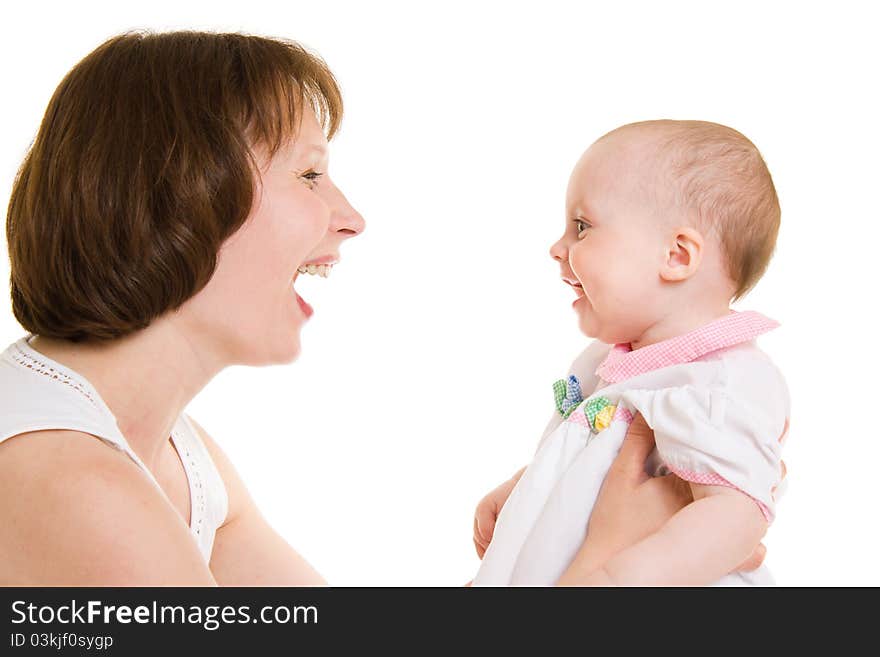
x=719 y=179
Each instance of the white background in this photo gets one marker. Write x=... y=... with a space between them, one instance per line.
x=426 y=372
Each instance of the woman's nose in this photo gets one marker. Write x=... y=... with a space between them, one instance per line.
x=345 y=219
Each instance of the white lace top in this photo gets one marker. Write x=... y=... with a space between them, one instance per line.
x=39 y=393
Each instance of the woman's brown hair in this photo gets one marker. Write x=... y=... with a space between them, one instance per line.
x=142 y=167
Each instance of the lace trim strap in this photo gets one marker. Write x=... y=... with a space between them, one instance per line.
x=40 y=367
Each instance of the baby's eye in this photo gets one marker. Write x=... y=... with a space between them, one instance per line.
x=581 y=225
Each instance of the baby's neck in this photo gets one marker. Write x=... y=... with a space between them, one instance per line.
x=679 y=323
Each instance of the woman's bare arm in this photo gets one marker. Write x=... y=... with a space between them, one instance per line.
x=632 y=506
x=86 y=515
x=247 y=550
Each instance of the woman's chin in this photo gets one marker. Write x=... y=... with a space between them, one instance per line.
x=278 y=348
x=287 y=341
x=294 y=355
x=289 y=351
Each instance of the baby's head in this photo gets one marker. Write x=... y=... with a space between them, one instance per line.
x=666 y=223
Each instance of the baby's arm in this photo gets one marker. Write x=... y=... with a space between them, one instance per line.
x=699 y=545
x=488 y=510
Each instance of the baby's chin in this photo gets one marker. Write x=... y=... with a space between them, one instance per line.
x=608 y=328
x=594 y=332
x=605 y=332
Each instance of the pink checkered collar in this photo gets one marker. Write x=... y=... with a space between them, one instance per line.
x=737 y=327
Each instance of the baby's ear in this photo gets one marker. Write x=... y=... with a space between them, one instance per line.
x=683 y=254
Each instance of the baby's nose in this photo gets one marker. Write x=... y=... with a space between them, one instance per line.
x=558 y=251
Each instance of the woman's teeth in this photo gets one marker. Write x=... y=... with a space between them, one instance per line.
x=315 y=270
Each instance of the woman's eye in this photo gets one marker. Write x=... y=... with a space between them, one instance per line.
x=312 y=177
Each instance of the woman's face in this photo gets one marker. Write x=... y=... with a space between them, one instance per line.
x=299 y=217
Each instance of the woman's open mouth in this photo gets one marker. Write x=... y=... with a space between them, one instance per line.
x=315 y=270
x=321 y=269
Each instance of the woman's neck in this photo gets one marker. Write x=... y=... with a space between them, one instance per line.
x=146 y=379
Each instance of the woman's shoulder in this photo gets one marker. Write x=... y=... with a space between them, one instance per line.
x=76 y=513
x=51 y=454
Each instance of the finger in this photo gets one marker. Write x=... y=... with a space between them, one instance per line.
x=755 y=560
x=637 y=445
x=479 y=545
x=485 y=523
x=783 y=471
x=484 y=528
x=487 y=527
x=481 y=549
x=784 y=433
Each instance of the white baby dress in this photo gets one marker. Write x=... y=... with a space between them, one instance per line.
x=719 y=409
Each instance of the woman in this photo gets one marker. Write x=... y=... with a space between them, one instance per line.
x=161 y=193
x=176 y=189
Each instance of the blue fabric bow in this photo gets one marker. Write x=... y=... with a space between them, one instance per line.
x=567 y=393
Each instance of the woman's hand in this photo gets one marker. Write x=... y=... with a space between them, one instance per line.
x=632 y=505
x=487 y=513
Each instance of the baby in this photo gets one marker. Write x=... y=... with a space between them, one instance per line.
x=667 y=223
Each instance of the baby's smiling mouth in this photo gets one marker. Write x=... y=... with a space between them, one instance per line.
x=576 y=286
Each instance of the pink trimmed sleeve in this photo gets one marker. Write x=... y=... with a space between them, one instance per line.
x=721 y=434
